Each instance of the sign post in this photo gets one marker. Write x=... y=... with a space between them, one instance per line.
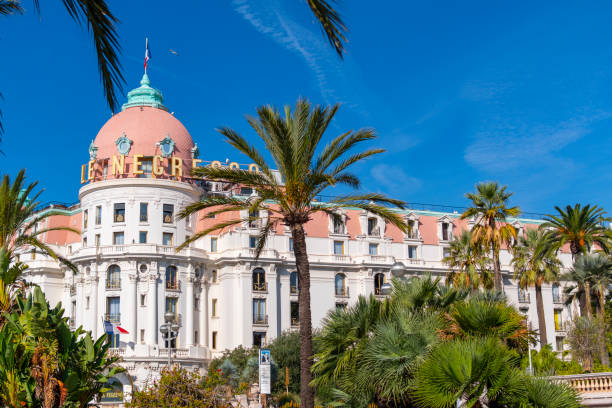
x=264 y=373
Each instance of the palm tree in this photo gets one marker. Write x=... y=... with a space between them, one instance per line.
x=331 y=23
x=596 y=271
x=490 y=212
x=535 y=263
x=578 y=275
x=19 y=219
x=292 y=141
x=580 y=227
x=468 y=264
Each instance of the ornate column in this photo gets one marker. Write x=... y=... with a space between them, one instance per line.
x=152 y=307
x=79 y=312
x=131 y=309
x=203 y=326
x=189 y=310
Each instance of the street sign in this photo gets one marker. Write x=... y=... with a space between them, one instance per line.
x=264 y=371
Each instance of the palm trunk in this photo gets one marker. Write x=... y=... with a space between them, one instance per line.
x=303 y=269
x=541 y=318
x=605 y=358
x=587 y=299
x=497 y=278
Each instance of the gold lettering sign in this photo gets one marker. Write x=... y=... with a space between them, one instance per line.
x=195 y=163
x=90 y=170
x=118 y=165
x=216 y=164
x=234 y=165
x=83 y=174
x=177 y=167
x=253 y=168
x=136 y=159
x=158 y=168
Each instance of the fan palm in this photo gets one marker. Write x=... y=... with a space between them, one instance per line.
x=292 y=141
x=468 y=264
x=490 y=211
x=536 y=263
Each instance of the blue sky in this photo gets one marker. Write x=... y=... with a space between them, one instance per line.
x=459 y=92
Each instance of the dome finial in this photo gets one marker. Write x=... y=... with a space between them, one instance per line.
x=144 y=95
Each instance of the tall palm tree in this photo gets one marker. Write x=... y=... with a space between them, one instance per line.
x=580 y=227
x=469 y=265
x=490 y=211
x=535 y=263
x=288 y=195
x=596 y=269
x=576 y=291
x=19 y=218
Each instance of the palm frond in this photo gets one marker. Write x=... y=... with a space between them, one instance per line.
x=8 y=7
x=101 y=21
x=331 y=23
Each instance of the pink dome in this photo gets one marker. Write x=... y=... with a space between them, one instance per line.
x=145 y=126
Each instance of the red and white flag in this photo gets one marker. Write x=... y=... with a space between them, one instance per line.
x=147 y=55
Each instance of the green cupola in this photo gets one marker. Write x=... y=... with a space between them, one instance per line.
x=144 y=95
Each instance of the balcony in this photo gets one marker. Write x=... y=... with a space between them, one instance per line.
x=260 y=287
x=342 y=292
x=113 y=318
x=293 y=290
x=524 y=297
x=116 y=352
x=173 y=286
x=113 y=283
x=558 y=299
x=260 y=320
x=341 y=258
x=561 y=327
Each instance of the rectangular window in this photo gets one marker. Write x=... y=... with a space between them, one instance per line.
x=252 y=241
x=373 y=227
x=98 y=215
x=144 y=212
x=214 y=276
x=259 y=311
x=142 y=237
x=254 y=219
x=445 y=236
x=142 y=336
x=87 y=302
x=85 y=218
x=214 y=308
x=214 y=340
x=97 y=240
x=213 y=245
x=559 y=343
x=412 y=230
x=373 y=249
x=84 y=244
x=119 y=212
x=290 y=244
x=338 y=248
x=445 y=252
x=167 y=239
x=118 y=238
x=259 y=339
x=246 y=191
x=338 y=225
x=412 y=252
x=171 y=305
x=196 y=337
x=113 y=309
x=143 y=300
x=558 y=320
x=295 y=313
x=168 y=215
x=146 y=166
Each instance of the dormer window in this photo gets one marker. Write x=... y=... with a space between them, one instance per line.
x=338 y=225
x=445 y=231
x=253 y=219
x=373 y=227
x=413 y=229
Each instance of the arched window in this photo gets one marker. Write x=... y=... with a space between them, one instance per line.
x=171 y=277
x=113 y=277
x=340 y=284
x=379 y=280
x=259 y=280
x=294 y=283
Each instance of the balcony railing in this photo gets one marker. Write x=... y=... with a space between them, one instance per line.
x=587 y=383
x=561 y=327
x=342 y=292
x=293 y=290
x=558 y=299
x=260 y=320
x=113 y=283
x=295 y=322
x=341 y=258
x=113 y=317
x=261 y=287
x=173 y=285
x=524 y=297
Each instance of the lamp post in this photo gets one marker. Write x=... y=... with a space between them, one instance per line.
x=169 y=331
x=398 y=270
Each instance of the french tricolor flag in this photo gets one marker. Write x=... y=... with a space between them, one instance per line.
x=147 y=55
x=112 y=328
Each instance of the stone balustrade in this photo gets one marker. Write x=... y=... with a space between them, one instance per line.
x=595 y=389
